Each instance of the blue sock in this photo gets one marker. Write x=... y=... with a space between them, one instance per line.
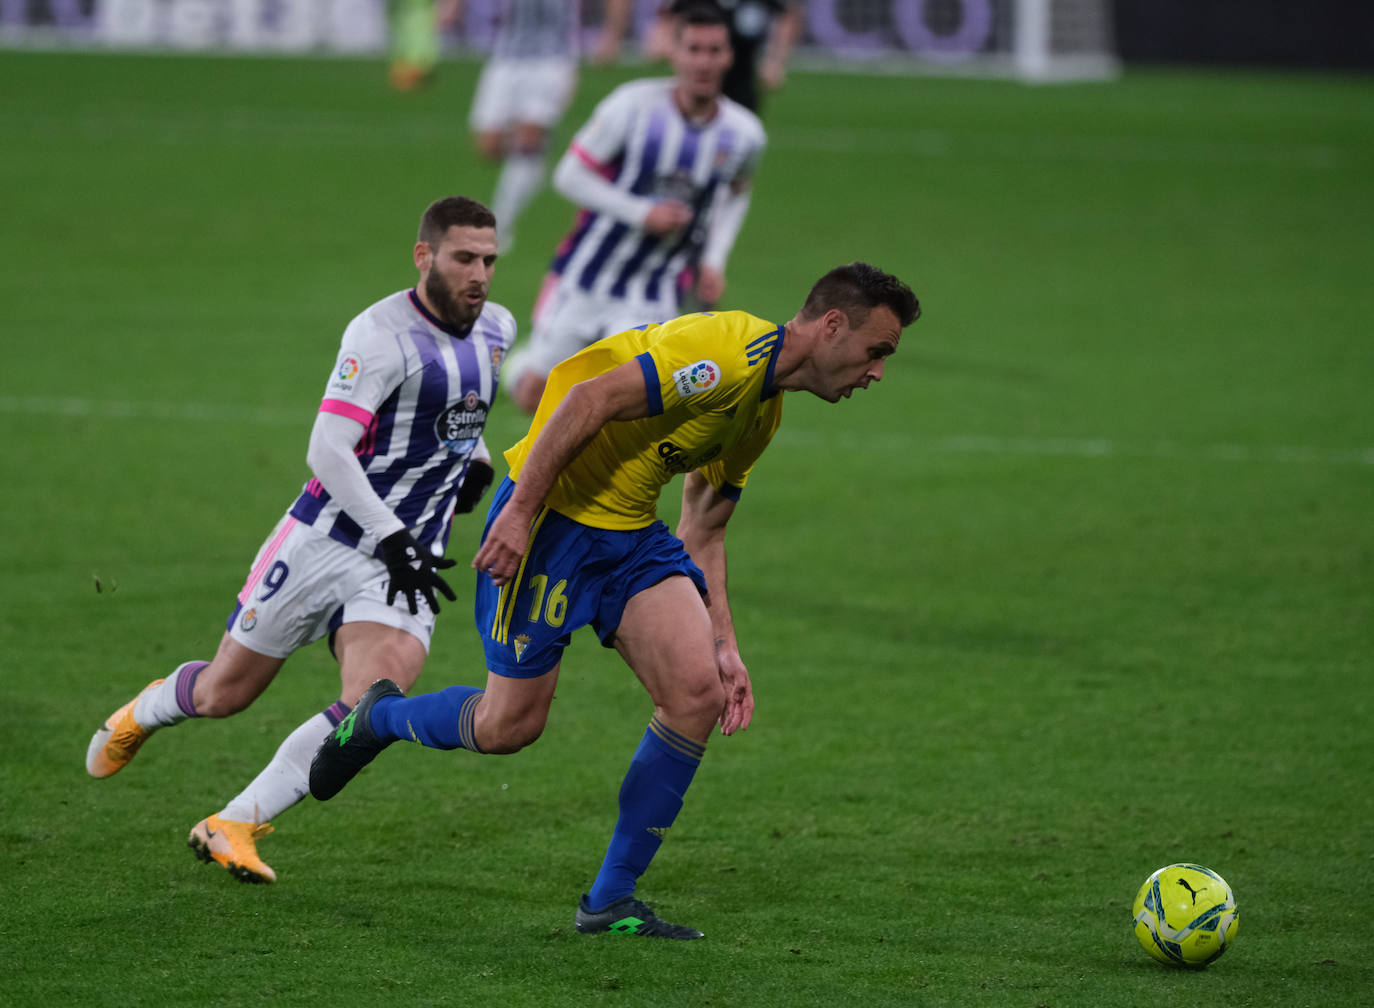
x=440 y=720
x=650 y=798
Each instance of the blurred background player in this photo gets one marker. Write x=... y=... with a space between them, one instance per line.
x=763 y=34
x=525 y=87
x=573 y=539
x=414 y=43
x=395 y=451
x=661 y=172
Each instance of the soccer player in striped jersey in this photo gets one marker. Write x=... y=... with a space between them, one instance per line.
x=525 y=87
x=662 y=172
x=572 y=540
x=396 y=450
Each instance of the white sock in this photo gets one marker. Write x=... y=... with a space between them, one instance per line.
x=165 y=704
x=521 y=177
x=285 y=780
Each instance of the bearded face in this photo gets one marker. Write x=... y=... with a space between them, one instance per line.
x=458 y=277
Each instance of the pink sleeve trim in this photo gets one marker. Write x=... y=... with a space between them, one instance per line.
x=587 y=159
x=346 y=409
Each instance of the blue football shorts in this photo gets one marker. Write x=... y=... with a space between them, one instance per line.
x=571 y=576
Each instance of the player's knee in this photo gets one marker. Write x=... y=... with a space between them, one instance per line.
x=529 y=140
x=698 y=705
x=491 y=145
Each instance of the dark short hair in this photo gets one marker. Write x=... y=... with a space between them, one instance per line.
x=856 y=290
x=452 y=211
x=698 y=12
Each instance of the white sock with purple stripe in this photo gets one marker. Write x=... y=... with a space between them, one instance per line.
x=169 y=702
x=286 y=779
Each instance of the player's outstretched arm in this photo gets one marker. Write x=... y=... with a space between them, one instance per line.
x=782 y=39
x=578 y=179
x=618 y=394
x=332 y=459
x=705 y=514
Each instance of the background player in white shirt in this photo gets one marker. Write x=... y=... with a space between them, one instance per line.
x=525 y=88
x=662 y=173
x=396 y=451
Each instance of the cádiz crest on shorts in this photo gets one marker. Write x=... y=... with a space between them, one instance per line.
x=459 y=426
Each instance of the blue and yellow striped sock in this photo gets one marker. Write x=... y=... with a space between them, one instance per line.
x=440 y=720
x=650 y=798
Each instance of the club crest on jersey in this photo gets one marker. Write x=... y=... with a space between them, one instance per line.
x=497 y=356
x=249 y=620
x=521 y=642
x=702 y=376
x=677 y=184
x=461 y=424
x=346 y=376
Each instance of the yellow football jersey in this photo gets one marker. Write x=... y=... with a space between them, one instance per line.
x=708 y=378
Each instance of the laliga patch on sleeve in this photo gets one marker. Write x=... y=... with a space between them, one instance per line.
x=345 y=377
x=702 y=376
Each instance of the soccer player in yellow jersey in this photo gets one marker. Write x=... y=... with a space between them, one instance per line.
x=572 y=540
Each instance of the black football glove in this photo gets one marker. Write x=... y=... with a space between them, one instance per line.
x=475 y=483
x=412 y=571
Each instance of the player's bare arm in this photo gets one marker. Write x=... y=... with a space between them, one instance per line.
x=618 y=394
x=616 y=16
x=782 y=39
x=705 y=514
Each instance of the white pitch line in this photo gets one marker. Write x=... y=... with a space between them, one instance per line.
x=965 y=444
x=1105 y=448
x=1094 y=148
x=122 y=410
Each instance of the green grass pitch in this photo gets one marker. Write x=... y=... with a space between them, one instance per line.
x=1084 y=587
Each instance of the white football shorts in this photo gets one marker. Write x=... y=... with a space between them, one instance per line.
x=572 y=319
x=304 y=584
x=512 y=91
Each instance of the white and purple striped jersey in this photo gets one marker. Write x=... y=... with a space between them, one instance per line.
x=422 y=390
x=536 y=29
x=639 y=140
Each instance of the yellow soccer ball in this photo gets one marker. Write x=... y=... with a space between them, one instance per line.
x=1185 y=915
